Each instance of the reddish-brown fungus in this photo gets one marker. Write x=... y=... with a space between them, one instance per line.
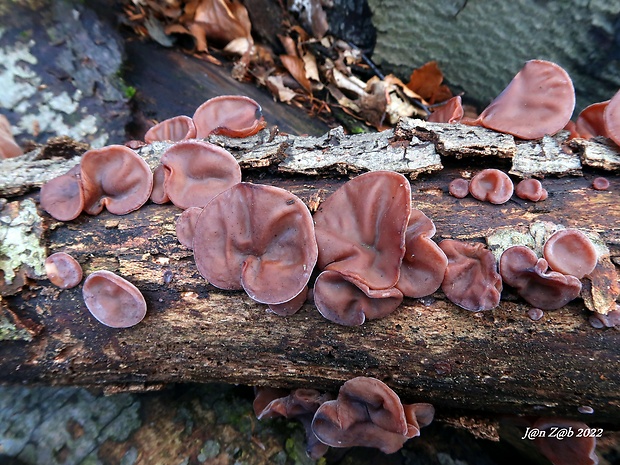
x=491 y=185
x=611 y=116
x=600 y=184
x=424 y=264
x=590 y=122
x=341 y=300
x=63 y=270
x=8 y=146
x=292 y=306
x=611 y=320
x=229 y=115
x=535 y=314
x=158 y=194
x=116 y=178
x=360 y=228
x=459 y=188
x=175 y=129
x=523 y=270
x=449 y=112
x=577 y=449
x=471 y=280
x=368 y=413
x=197 y=171
x=259 y=238
x=62 y=197
x=539 y=100
x=113 y=300
x=569 y=251
x=186 y=225
x=531 y=189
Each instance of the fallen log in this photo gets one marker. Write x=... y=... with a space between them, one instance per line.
x=497 y=362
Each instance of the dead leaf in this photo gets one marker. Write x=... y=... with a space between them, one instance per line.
x=427 y=82
x=278 y=89
x=295 y=66
x=223 y=20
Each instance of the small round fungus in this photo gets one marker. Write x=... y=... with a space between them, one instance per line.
x=114 y=177
x=62 y=197
x=491 y=185
x=459 y=188
x=63 y=270
x=196 y=171
x=611 y=116
x=471 y=280
x=186 y=224
x=600 y=184
x=175 y=129
x=229 y=115
x=535 y=314
x=449 y=112
x=539 y=100
x=523 y=270
x=570 y=252
x=531 y=189
x=113 y=300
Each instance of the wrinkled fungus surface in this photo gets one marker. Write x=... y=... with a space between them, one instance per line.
x=569 y=251
x=259 y=238
x=175 y=129
x=531 y=189
x=229 y=115
x=459 y=188
x=113 y=300
x=186 y=225
x=116 y=178
x=471 y=280
x=197 y=171
x=62 y=197
x=63 y=270
x=491 y=185
x=547 y=290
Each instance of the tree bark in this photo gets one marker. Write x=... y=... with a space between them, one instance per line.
x=428 y=350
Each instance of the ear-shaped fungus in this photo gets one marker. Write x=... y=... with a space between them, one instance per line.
x=259 y=238
x=175 y=129
x=459 y=188
x=229 y=115
x=158 y=194
x=424 y=264
x=569 y=450
x=63 y=270
x=611 y=117
x=531 y=189
x=116 y=178
x=368 y=413
x=569 y=251
x=197 y=171
x=600 y=184
x=186 y=226
x=491 y=185
x=343 y=301
x=590 y=122
x=8 y=146
x=539 y=100
x=449 y=112
x=62 y=197
x=113 y=300
x=471 y=281
x=523 y=270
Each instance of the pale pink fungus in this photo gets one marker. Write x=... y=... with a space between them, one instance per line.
x=158 y=194
x=531 y=189
x=449 y=112
x=491 y=185
x=63 y=270
x=8 y=146
x=611 y=116
x=186 y=225
x=590 y=122
x=459 y=188
x=113 y=300
x=174 y=129
x=600 y=184
x=62 y=197
x=229 y=115
x=569 y=251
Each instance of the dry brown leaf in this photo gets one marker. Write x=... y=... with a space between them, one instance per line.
x=427 y=82
x=295 y=66
x=223 y=20
x=289 y=45
x=279 y=90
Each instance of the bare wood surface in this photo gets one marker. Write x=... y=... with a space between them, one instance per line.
x=495 y=362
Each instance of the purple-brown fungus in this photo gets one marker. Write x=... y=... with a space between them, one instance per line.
x=197 y=171
x=459 y=188
x=186 y=225
x=531 y=189
x=611 y=116
x=590 y=122
x=471 y=280
x=368 y=413
x=63 y=270
x=8 y=146
x=600 y=184
x=113 y=300
x=62 y=197
x=258 y=238
x=569 y=251
x=547 y=290
x=491 y=185
x=158 y=194
x=577 y=449
x=174 y=129
x=116 y=178
x=229 y=115
x=449 y=112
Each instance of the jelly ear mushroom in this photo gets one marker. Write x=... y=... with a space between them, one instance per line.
x=114 y=177
x=186 y=226
x=531 y=189
x=174 y=129
x=459 y=188
x=63 y=270
x=449 y=112
x=259 y=238
x=63 y=197
x=590 y=122
x=367 y=413
x=569 y=251
x=569 y=450
x=524 y=271
x=113 y=300
x=8 y=146
x=471 y=280
x=611 y=116
x=229 y=115
x=158 y=194
x=539 y=100
x=197 y=171
x=491 y=185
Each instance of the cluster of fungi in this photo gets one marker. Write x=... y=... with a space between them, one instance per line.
x=370 y=247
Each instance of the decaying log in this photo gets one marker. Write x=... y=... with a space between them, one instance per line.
x=428 y=350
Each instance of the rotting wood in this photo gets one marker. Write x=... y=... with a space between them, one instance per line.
x=495 y=362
